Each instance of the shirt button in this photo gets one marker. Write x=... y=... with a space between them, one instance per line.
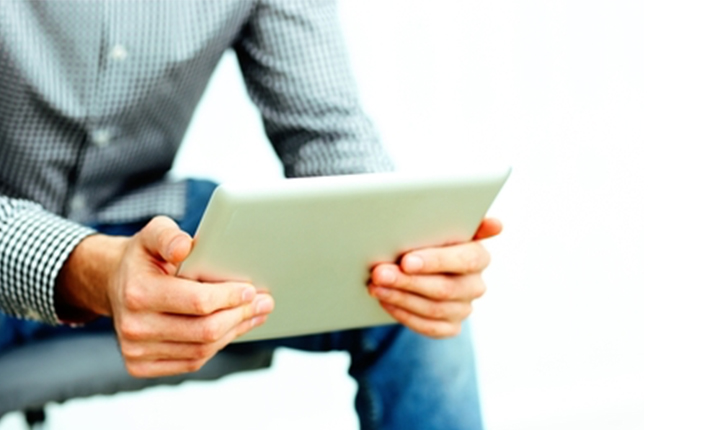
x=101 y=138
x=77 y=204
x=33 y=315
x=118 y=53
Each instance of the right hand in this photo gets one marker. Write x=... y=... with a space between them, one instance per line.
x=165 y=324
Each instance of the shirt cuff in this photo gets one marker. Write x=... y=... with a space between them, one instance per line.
x=34 y=247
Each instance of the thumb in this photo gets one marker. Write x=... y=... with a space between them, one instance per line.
x=489 y=227
x=163 y=238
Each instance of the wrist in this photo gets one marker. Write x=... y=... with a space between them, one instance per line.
x=82 y=284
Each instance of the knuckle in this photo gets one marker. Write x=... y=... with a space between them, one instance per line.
x=202 y=351
x=477 y=288
x=131 y=351
x=200 y=304
x=130 y=330
x=147 y=228
x=134 y=297
x=210 y=331
x=160 y=221
x=160 y=231
x=153 y=225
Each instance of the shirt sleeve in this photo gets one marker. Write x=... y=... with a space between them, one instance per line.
x=34 y=245
x=297 y=72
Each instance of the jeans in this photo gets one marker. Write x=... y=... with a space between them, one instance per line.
x=405 y=380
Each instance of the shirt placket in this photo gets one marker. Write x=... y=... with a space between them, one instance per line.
x=100 y=131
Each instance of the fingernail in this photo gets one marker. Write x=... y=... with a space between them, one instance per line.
x=388 y=276
x=263 y=306
x=413 y=263
x=174 y=244
x=257 y=320
x=248 y=294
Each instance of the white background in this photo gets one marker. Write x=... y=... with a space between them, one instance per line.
x=552 y=88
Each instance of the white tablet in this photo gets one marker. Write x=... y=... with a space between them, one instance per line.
x=312 y=242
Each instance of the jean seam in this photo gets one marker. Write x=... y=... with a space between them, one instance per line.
x=372 y=413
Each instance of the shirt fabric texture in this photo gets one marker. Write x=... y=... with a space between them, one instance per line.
x=95 y=98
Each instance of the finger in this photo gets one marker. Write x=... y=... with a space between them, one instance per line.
x=432 y=328
x=155 y=351
x=183 y=328
x=171 y=350
x=489 y=227
x=163 y=238
x=464 y=258
x=157 y=368
x=453 y=311
x=434 y=287
x=162 y=293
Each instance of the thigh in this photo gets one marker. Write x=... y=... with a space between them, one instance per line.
x=354 y=341
x=197 y=197
x=405 y=380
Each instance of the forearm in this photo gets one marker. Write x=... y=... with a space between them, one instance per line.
x=297 y=72
x=82 y=285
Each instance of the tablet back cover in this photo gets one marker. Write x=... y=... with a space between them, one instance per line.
x=312 y=242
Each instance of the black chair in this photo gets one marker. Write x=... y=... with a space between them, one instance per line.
x=71 y=367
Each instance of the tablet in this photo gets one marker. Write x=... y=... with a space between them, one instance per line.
x=311 y=242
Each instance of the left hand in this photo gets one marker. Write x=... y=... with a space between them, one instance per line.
x=431 y=291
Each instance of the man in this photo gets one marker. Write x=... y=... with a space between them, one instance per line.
x=94 y=100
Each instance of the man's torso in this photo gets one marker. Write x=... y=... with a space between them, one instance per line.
x=95 y=98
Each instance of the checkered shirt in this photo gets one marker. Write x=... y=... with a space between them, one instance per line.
x=95 y=97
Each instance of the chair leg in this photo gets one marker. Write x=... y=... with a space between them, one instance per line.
x=35 y=418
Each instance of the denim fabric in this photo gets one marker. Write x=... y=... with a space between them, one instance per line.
x=405 y=380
